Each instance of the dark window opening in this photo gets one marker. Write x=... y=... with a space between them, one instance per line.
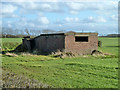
x=81 y=39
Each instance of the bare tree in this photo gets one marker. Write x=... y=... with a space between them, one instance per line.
x=27 y=31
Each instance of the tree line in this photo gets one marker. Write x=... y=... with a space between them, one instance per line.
x=16 y=33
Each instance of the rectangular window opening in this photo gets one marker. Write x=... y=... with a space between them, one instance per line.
x=81 y=39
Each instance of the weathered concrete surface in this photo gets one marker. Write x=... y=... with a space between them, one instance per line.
x=48 y=43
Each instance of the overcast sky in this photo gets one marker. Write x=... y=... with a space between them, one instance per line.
x=93 y=16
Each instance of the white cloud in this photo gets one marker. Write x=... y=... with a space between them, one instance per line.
x=94 y=20
x=31 y=25
x=40 y=7
x=59 y=25
x=8 y=8
x=90 y=18
x=9 y=15
x=46 y=6
x=74 y=12
x=114 y=17
x=101 y=19
x=9 y=25
x=30 y=1
x=91 y=25
x=43 y=20
x=76 y=7
x=70 y=20
x=7 y=11
x=39 y=21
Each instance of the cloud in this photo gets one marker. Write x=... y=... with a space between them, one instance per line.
x=94 y=20
x=22 y=23
x=73 y=12
x=9 y=15
x=114 y=17
x=30 y=1
x=8 y=8
x=31 y=25
x=33 y=7
x=71 y=20
x=91 y=27
x=58 y=22
x=89 y=19
x=38 y=15
x=43 y=20
x=101 y=19
x=76 y=7
x=60 y=25
x=7 y=11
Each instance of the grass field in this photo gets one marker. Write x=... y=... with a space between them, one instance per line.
x=13 y=40
x=10 y=43
x=75 y=72
x=110 y=45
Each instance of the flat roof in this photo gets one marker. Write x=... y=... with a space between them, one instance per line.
x=68 y=33
x=52 y=34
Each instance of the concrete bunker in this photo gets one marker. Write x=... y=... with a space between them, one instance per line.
x=76 y=43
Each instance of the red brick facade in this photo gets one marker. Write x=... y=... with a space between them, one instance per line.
x=81 y=47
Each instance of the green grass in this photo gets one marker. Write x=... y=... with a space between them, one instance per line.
x=14 y=40
x=77 y=72
x=10 y=43
x=109 y=45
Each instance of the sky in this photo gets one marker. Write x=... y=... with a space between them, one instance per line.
x=79 y=16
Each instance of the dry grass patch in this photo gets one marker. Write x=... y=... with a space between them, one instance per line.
x=11 y=54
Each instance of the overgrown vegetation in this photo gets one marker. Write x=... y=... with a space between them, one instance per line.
x=12 y=80
x=69 y=72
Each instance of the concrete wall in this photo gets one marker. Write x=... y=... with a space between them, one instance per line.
x=26 y=45
x=50 y=43
x=81 y=47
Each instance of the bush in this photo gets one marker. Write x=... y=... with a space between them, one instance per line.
x=99 y=43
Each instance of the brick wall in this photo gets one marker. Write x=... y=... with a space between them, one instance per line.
x=81 y=47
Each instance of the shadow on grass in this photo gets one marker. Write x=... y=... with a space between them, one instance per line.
x=112 y=46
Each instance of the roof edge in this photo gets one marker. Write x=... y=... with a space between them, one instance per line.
x=68 y=33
